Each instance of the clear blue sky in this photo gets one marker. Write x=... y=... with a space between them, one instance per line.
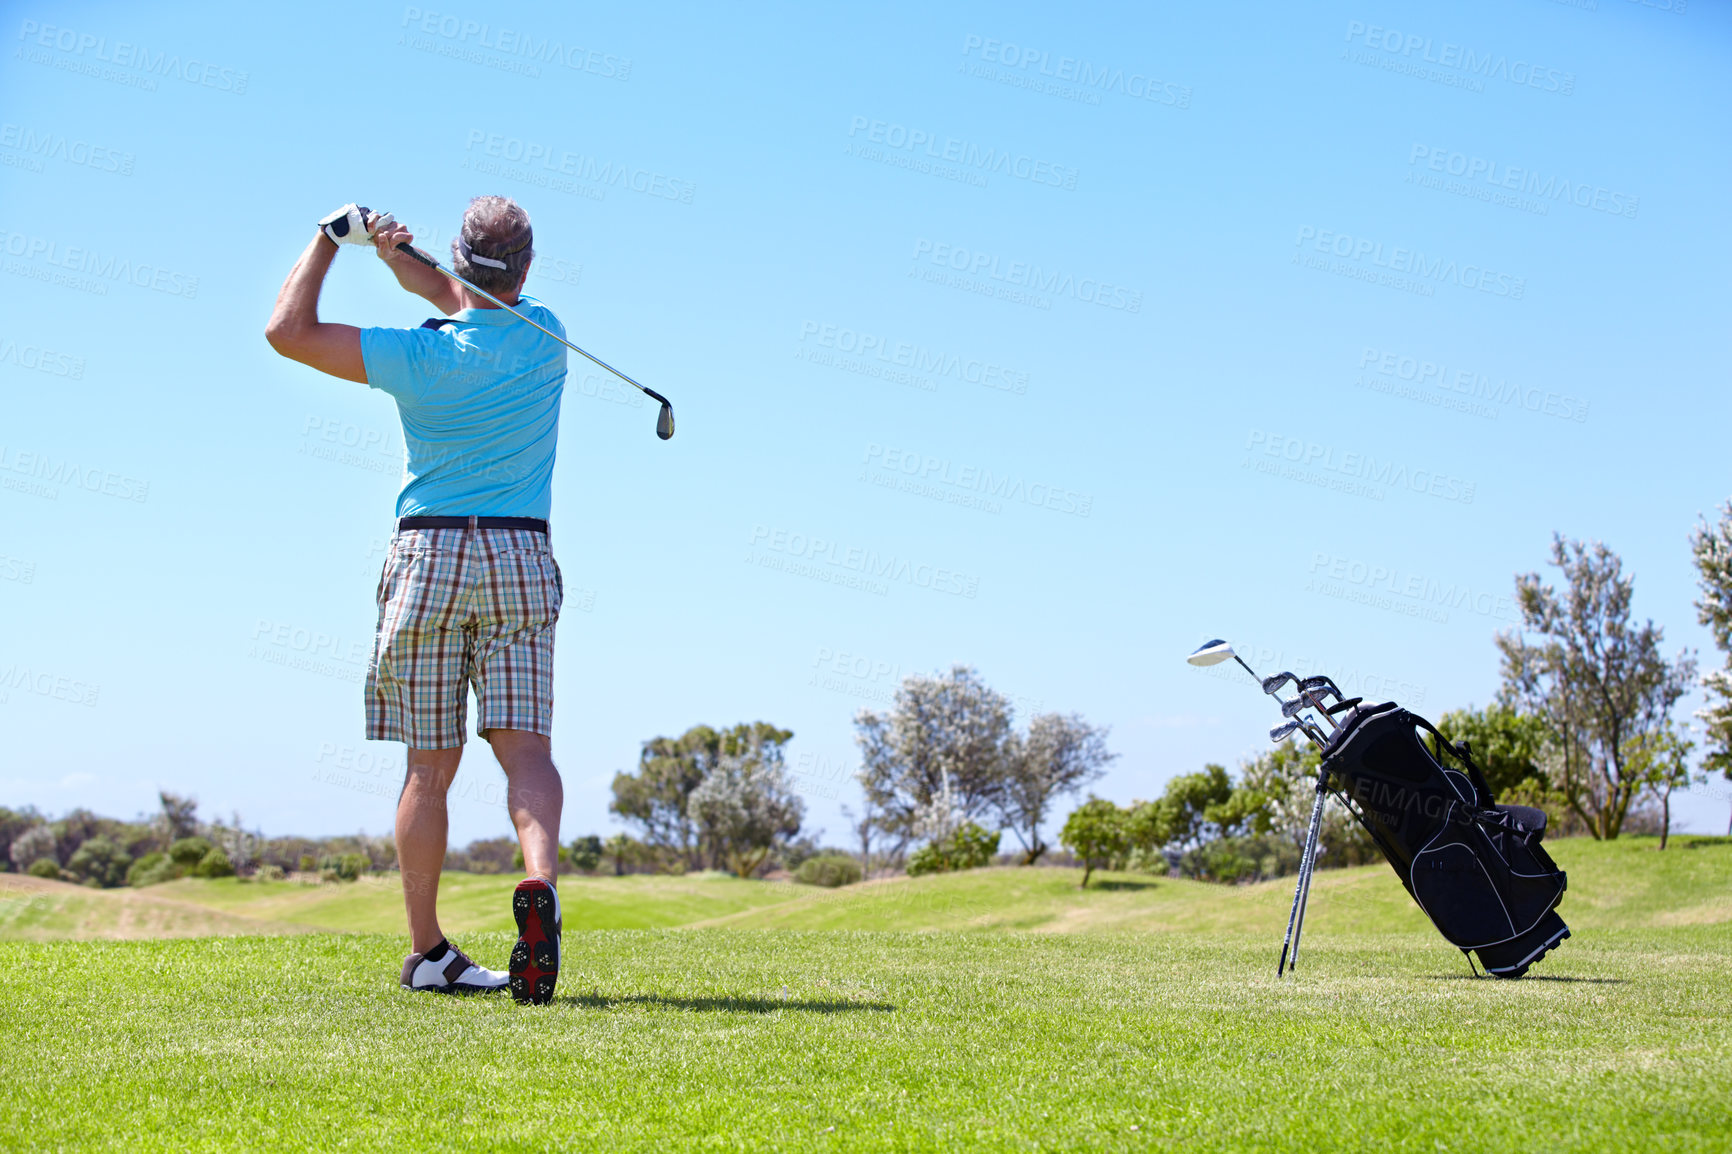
x=1116 y=332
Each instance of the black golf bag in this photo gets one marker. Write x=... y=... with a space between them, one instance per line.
x=1476 y=868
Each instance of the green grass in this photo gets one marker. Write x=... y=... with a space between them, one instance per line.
x=1000 y=1010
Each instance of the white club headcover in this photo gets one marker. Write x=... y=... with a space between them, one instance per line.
x=348 y=225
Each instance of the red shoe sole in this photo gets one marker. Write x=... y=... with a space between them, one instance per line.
x=535 y=957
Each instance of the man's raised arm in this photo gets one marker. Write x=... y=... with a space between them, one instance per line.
x=294 y=329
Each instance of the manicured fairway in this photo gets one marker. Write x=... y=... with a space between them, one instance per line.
x=1108 y=1036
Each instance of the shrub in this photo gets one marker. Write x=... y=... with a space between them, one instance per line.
x=45 y=867
x=586 y=854
x=188 y=852
x=969 y=847
x=328 y=875
x=829 y=870
x=99 y=860
x=214 y=864
x=269 y=873
x=308 y=865
x=151 y=869
x=1097 y=832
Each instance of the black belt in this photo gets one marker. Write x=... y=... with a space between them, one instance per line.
x=533 y=524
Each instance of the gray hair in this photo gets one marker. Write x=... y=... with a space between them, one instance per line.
x=495 y=244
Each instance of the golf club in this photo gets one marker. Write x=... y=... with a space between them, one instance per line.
x=1276 y=681
x=664 y=420
x=1321 y=681
x=1216 y=651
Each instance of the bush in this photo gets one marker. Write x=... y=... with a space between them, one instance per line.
x=268 y=873
x=214 y=864
x=586 y=854
x=828 y=870
x=45 y=867
x=188 y=852
x=99 y=860
x=151 y=869
x=967 y=848
x=328 y=875
x=348 y=867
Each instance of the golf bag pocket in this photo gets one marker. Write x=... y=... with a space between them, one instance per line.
x=1451 y=884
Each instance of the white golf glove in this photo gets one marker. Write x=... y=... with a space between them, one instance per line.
x=348 y=225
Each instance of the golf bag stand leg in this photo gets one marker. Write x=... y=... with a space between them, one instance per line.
x=1302 y=886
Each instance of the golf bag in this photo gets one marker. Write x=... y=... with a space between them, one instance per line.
x=1476 y=868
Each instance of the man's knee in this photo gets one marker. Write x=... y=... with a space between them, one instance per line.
x=432 y=769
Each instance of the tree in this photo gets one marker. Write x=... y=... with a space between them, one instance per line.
x=944 y=741
x=624 y=850
x=178 y=817
x=1596 y=680
x=100 y=860
x=1661 y=761
x=745 y=805
x=657 y=798
x=1712 y=550
x=1096 y=832
x=1508 y=746
x=1058 y=755
x=33 y=845
x=12 y=824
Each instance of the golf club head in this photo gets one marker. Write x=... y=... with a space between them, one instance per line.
x=1319 y=682
x=1292 y=708
x=665 y=421
x=1283 y=731
x=1271 y=684
x=1211 y=653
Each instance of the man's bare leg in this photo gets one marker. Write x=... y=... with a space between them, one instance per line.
x=421 y=826
x=535 y=795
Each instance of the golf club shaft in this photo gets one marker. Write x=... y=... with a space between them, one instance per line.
x=411 y=250
x=1310 y=863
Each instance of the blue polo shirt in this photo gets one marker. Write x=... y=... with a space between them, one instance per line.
x=479 y=400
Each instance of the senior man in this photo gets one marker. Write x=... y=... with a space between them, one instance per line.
x=470 y=590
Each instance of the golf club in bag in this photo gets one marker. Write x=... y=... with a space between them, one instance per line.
x=664 y=419
x=1476 y=868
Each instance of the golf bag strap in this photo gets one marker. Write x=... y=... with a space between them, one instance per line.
x=1473 y=772
x=437 y=322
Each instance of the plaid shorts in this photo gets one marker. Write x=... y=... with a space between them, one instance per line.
x=461 y=608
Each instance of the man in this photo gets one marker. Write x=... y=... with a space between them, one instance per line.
x=470 y=590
